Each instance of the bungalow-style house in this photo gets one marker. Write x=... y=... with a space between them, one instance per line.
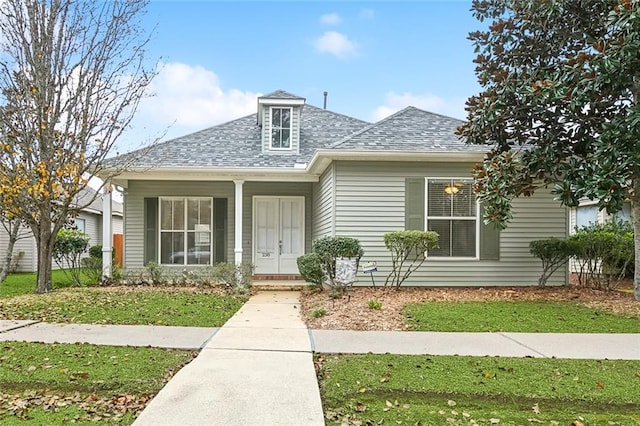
x=261 y=188
x=90 y=221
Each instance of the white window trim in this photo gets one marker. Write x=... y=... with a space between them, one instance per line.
x=271 y=147
x=427 y=217
x=184 y=231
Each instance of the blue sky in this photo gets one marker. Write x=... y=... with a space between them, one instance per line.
x=373 y=58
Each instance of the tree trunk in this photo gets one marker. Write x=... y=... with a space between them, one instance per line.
x=635 y=220
x=46 y=238
x=13 y=237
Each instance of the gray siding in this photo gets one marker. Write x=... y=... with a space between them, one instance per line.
x=134 y=211
x=25 y=252
x=93 y=227
x=324 y=205
x=370 y=202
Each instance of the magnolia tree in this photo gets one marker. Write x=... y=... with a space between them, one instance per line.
x=559 y=104
x=72 y=74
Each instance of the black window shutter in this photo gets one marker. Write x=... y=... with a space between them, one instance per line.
x=150 y=230
x=414 y=204
x=489 y=239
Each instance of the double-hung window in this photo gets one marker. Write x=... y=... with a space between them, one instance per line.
x=452 y=212
x=280 y=128
x=185 y=231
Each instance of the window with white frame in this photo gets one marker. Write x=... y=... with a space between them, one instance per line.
x=185 y=231
x=81 y=225
x=452 y=212
x=586 y=215
x=280 y=128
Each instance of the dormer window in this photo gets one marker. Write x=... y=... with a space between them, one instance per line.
x=279 y=118
x=280 y=128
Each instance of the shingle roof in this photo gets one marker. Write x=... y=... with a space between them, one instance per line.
x=280 y=94
x=410 y=129
x=237 y=144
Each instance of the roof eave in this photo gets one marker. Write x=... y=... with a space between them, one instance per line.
x=215 y=174
x=322 y=158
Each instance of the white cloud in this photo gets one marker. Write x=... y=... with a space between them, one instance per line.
x=330 y=19
x=186 y=99
x=192 y=96
x=394 y=102
x=336 y=44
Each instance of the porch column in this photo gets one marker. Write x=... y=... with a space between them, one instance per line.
x=107 y=234
x=238 y=231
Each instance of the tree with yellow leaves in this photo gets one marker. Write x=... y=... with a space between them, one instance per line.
x=72 y=74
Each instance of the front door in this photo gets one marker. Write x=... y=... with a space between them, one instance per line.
x=278 y=234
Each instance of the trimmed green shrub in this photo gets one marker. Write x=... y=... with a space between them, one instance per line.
x=156 y=272
x=329 y=249
x=408 y=250
x=235 y=278
x=67 y=252
x=310 y=268
x=553 y=253
x=604 y=254
x=96 y=251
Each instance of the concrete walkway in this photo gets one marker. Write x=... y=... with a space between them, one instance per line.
x=258 y=367
x=256 y=370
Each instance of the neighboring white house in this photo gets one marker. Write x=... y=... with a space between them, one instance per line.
x=88 y=221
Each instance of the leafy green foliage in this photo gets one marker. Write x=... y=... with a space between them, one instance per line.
x=559 y=104
x=319 y=312
x=604 y=253
x=310 y=268
x=55 y=384
x=525 y=317
x=463 y=390
x=68 y=249
x=329 y=249
x=374 y=305
x=553 y=253
x=92 y=265
x=407 y=246
x=95 y=251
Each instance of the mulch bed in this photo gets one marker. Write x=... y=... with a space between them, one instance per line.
x=352 y=312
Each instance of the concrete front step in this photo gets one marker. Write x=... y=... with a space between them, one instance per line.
x=268 y=285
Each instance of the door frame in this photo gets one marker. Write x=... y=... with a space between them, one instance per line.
x=302 y=198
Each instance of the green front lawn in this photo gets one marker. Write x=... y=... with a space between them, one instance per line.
x=25 y=283
x=516 y=316
x=124 y=305
x=58 y=384
x=434 y=390
x=114 y=305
